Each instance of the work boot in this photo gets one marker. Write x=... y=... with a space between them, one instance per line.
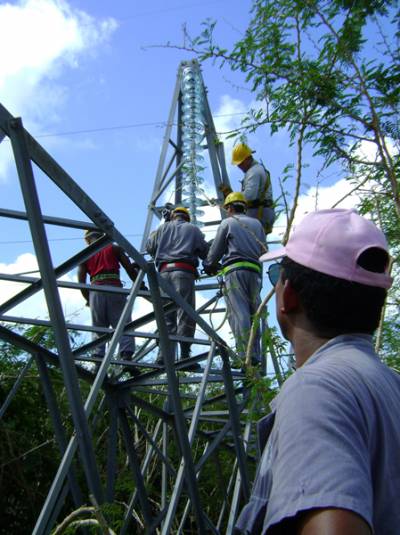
x=185 y=350
x=127 y=355
x=185 y=355
x=159 y=359
x=191 y=367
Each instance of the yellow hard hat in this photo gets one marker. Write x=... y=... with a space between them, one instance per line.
x=240 y=152
x=92 y=233
x=235 y=197
x=181 y=210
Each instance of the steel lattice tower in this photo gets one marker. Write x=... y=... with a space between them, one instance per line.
x=177 y=404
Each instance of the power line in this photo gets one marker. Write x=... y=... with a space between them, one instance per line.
x=103 y=129
x=16 y=242
x=160 y=124
x=79 y=238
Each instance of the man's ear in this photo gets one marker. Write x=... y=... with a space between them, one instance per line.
x=290 y=300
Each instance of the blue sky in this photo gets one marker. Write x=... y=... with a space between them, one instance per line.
x=104 y=78
x=91 y=86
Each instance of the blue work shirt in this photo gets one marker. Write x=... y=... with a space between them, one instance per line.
x=177 y=240
x=238 y=237
x=331 y=441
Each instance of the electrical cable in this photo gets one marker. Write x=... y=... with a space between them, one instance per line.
x=123 y=127
x=219 y=295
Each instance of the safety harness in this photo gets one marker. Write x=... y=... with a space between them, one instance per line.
x=262 y=202
x=173 y=266
x=104 y=276
x=242 y=264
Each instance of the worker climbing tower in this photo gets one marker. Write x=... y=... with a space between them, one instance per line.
x=165 y=430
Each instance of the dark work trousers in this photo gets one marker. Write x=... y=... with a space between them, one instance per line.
x=267 y=217
x=106 y=309
x=242 y=296
x=177 y=321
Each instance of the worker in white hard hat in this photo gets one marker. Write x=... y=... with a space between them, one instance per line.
x=239 y=242
x=176 y=247
x=256 y=186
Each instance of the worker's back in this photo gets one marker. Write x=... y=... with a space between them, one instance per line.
x=245 y=238
x=103 y=267
x=177 y=240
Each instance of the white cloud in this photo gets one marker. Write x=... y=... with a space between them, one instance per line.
x=318 y=198
x=40 y=39
x=25 y=262
x=368 y=150
x=228 y=117
x=35 y=307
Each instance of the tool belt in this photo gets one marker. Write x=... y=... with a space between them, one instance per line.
x=265 y=203
x=105 y=276
x=242 y=264
x=178 y=266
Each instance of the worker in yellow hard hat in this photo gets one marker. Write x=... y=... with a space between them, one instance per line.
x=235 y=197
x=238 y=244
x=182 y=211
x=256 y=186
x=240 y=153
x=176 y=247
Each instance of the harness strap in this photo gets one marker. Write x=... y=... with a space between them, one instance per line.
x=104 y=276
x=263 y=195
x=177 y=265
x=266 y=203
x=240 y=265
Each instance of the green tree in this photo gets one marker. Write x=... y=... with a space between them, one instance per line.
x=29 y=453
x=327 y=72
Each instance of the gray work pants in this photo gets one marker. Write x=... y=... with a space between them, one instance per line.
x=178 y=322
x=267 y=217
x=242 y=296
x=106 y=309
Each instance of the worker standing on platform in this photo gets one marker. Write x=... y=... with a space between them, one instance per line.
x=256 y=186
x=240 y=240
x=331 y=443
x=176 y=247
x=105 y=307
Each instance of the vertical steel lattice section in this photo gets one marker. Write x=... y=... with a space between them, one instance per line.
x=193 y=99
x=189 y=140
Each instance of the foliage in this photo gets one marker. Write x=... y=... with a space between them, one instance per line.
x=328 y=73
x=311 y=66
x=316 y=75
x=28 y=452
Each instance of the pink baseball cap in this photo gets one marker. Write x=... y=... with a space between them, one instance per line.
x=331 y=241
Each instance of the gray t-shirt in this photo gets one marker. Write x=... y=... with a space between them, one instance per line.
x=256 y=183
x=238 y=237
x=177 y=240
x=335 y=441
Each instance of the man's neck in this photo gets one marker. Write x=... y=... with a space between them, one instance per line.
x=305 y=345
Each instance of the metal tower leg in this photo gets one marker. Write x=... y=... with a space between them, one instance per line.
x=32 y=205
x=15 y=387
x=192 y=429
x=174 y=392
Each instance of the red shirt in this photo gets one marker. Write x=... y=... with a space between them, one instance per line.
x=103 y=267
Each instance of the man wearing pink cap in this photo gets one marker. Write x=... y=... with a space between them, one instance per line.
x=331 y=445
